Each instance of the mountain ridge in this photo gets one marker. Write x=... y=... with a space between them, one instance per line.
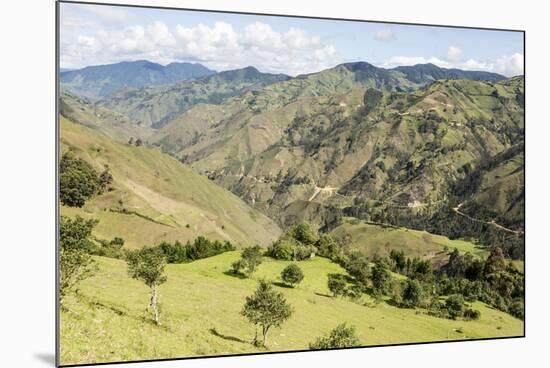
x=102 y=80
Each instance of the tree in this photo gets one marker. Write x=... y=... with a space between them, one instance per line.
x=455 y=305
x=358 y=267
x=381 y=277
x=105 y=179
x=131 y=140
x=371 y=99
x=139 y=142
x=147 y=265
x=340 y=337
x=252 y=257
x=328 y=247
x=75 y=264
x=337 y=284
x=495 y=262
x=412 y=294
x=292 y=274
x=266 y=308
x=304 y=233
x=78 y=181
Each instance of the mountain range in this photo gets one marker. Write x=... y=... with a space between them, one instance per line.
x=102 y=80
x=356 y=140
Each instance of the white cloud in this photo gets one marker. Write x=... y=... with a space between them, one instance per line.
x=385 y=35
x=217 y=46
x=454 y=53
x=508 y=66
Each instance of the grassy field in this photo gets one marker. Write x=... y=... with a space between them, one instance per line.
x=201 y=302
x=374 y=239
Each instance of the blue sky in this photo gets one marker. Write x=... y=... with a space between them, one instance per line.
x=95 y=34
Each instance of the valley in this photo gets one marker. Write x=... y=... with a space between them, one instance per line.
x=395 y=191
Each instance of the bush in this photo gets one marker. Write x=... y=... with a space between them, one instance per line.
x=251 y=258
x=455 y=306
x=200 y=248
x=357 y=266
x=328 y=247
x=266 y=308
x=340 y=337
x=381 y=278
x=412 y=295
x=517 y=309
x=78 y=180
x=472 y=314
x=292 y=275
x=297 y=243
x=337 y=284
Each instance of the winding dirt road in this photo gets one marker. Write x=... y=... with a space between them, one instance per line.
x=492 y=222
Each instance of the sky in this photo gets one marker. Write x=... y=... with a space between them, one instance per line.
x=98 y=34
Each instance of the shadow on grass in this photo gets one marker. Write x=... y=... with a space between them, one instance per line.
x=233 y=274
x=145 y=318
x=325 y=295
x=215 y=332
x=282 y=284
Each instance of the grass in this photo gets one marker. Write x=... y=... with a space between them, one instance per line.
x=201 y=306
x=374 y=239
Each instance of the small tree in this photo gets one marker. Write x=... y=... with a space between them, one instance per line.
x=147 y=265
x=495 y=262
x=266 y=308
x=412 y=294
x=292 y=274
x=75 y=264
x=78 y=181
x=105 y=179
x=358 y=266
x=455 y=305
x=381 y=278
x=139 y=142
x=340 y=337
x=337 y=284
x=252 y=258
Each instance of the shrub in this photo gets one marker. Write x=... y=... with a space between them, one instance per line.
x=381 y=278
x=455 y=306
x=251 y=258
x=357 y=266
x=412 y=295
x=342 y=336
x=78 y=181
x=337 y=284
x=517 y=309
x=147 y=265
x=266 y=308
x=292 y=275
x=472 y=314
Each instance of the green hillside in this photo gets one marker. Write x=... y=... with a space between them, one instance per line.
x=379 y=240
x=156 y=198
x=107 y=316
x=327 y=138
x=154 y=106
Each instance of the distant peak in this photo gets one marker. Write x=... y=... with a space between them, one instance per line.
x=357 y=65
